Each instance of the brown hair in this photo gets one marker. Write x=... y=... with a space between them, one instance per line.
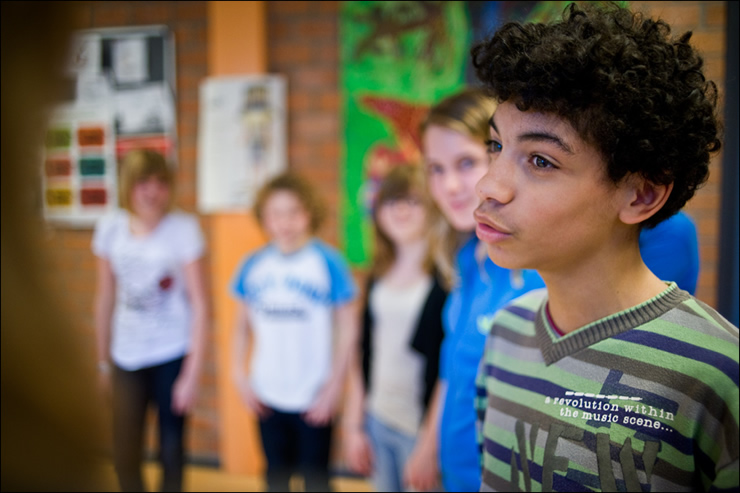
x=468 y=113
x=301 y=188
x=141 y=164
x=401 y=182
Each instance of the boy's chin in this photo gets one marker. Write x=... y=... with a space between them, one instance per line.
x=506 y=259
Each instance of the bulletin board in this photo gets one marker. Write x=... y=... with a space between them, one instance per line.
x=120 y=96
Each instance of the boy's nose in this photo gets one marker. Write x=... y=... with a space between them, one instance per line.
x=497 y=184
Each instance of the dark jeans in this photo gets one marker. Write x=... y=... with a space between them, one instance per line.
x=291 y=445
x=133 y=391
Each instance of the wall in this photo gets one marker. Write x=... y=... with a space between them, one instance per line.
x=302 y=44
x=72 y=272
x=707 y=21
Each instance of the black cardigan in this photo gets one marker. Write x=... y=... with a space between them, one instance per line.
x=427 y=338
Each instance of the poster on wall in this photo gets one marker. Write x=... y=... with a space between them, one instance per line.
x=79 y=173
x=121 y=96
x=241 y=139
x=397 y=59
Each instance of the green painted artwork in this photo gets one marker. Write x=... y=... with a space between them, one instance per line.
x=397 y=58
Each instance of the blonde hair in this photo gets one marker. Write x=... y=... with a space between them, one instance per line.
x=301 y=188
x=468 y=113
x=141 y=164
x=402 y=181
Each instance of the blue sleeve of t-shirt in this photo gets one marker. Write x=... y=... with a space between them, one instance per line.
x=343 y=287
x=238 y=286
x=671 y=251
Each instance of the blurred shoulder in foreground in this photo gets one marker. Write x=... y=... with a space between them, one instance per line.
x=51 y=422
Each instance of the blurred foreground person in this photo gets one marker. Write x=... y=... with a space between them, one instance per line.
x=51 y=424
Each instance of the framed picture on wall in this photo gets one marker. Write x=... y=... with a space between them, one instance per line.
x=120 y=96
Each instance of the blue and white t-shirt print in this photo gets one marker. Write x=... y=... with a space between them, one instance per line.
x=291 y=300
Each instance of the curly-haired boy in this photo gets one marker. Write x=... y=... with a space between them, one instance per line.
x=610 y=378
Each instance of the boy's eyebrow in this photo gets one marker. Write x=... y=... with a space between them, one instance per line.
x=537 y=137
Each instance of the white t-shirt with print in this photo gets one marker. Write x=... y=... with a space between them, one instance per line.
x=292 y=300
x=151 y=319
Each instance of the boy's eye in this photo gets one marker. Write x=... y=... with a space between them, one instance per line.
x=493 y=146
x=541 y=162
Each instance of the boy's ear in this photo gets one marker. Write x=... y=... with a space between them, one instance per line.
x=642 y=199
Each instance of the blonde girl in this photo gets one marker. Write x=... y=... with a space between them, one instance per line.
x=150 y=316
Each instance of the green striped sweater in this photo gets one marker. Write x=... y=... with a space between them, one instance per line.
x=643 y=400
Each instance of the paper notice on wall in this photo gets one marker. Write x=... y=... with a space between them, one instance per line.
x=130 y=60
x=241 y=139
x=84 y=55
x=144 y=110
x=123 y=99
x=94 y=88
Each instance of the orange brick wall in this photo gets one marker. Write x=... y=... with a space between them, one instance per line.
x=707 y=21
x=303 y=45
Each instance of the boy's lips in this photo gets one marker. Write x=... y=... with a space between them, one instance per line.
x=481 y=217
x=489 y=230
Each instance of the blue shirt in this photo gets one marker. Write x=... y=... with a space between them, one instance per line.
x=671 y=251
x=467 y=315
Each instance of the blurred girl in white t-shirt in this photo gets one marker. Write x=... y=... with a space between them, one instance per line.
x=150 y=316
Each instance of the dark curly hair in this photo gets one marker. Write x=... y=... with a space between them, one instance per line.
x=624 y=85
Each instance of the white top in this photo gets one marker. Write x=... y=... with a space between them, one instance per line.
x=292 y=300
x=151 y=320
x=397 y=369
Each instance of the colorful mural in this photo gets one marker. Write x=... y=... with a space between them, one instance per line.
x=397 y=59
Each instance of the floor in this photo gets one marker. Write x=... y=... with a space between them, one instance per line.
x=203 y=478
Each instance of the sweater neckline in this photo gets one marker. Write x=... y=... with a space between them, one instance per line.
x=555 y=348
